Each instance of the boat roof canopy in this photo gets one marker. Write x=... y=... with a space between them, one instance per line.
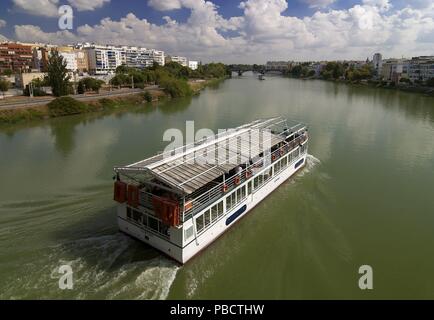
x=187 y=169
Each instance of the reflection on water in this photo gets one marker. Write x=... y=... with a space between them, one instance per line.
x=363 y=199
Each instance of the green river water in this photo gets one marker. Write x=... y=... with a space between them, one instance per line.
x=365 y=197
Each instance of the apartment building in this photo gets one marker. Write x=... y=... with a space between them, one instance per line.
x=278 y=65
x=193 y=65
x=40 y=58
x=158 y=56
x=395 y=69
x=421 y=68
x=377 y=62
x=16 y=57
x=104 y=59
x=183 y=61
x=135 y=57
x=76 y=58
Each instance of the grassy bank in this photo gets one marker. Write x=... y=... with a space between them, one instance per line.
x=198 y=85
x=65 y=106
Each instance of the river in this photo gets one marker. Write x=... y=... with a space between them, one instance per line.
x=365 y=198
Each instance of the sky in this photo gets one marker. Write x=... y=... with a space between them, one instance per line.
x=231 y=31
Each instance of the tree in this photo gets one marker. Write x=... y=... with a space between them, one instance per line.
x=7 y=72
x=333 y=70
x=37 y=85
x=4 y=86
x=88 y=83
x=58 y=77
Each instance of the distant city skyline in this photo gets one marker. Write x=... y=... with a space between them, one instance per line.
x=252 y=31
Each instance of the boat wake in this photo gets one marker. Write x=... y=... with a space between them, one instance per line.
x=311 y=163
x=105 y=267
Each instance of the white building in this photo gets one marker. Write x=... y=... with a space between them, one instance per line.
x=105 y=59
x=421 y=68
x=193 y=64
x=278 y=65
x=377 y=62
x=158 y=56
x=183 y=61
x=71 y=60
x=394 y=70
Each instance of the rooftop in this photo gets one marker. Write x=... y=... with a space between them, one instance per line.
x=192 y=166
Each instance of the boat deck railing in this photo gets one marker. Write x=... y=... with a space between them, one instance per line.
x=205 y=199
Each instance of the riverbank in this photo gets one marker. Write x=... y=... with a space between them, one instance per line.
x=428 y=91
x=69 y=106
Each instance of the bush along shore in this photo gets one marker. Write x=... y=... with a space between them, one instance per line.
x=64 y=106
x=365 y=76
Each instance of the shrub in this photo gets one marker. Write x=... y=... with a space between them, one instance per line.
x=176 y=88
x=148 y=96
x=107 y=103
x=88 y=83
x=64 y=106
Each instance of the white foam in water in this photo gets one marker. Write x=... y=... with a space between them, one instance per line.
x=105 y=267
x=311 y=162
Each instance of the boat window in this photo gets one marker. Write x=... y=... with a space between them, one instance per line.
x=188 y=233
x=129 y=212
x=234 y=198
x=199 y=223
x=256 y=183
x=261 y=180
x=145 y=220
x=276 y=167
x=267 y=174
x=214 y=213
x=228 y=203
x=164 y=229
x=153 y=223
x=249 y=187
x=243 y=192
x=137 y=215
x=239 y=197
x=220 y=208
x=207 y=218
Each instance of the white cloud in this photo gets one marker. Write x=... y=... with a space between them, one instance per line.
x=262 y=32
x=165 y=5
x=86 y=5
x=47 y=8
x=32 y=33
x=383 y=5
x=319 y=3
x=2 y=23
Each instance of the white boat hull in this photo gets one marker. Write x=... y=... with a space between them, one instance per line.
x=181 y=249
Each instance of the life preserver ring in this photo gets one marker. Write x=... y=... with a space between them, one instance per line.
x=273 y=157
x=237 y=180
x=282 y=152
x=225 y=188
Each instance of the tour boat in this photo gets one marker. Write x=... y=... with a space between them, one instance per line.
x=179 y=204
